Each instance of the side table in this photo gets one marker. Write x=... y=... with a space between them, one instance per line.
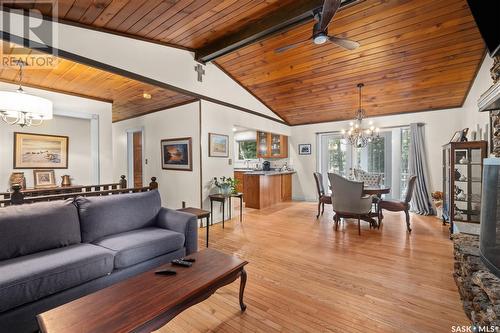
x=200 y=214
x=222 y=199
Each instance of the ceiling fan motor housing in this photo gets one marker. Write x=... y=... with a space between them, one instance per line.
x=319 y=37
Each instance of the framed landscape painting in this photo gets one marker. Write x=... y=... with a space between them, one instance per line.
x=40 y=151
x=218 y=145
x=176 y=154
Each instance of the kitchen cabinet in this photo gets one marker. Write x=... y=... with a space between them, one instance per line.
x=240 y=176
x=270 y=145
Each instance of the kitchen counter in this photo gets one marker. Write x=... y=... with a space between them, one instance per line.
x=266 y=188
x=268 y=173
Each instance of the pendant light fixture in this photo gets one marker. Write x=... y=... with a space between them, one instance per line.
x=19 y=108
x=357 y=136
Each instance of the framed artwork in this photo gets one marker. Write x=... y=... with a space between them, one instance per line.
x=218 y=145
x=40 y=151
x=457 y=136
x=305 y=149
x=44 y=178
x=176 y=154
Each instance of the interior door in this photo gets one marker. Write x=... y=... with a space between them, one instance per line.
x=137 y=158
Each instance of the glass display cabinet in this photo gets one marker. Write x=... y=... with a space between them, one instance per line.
x=462 y=177
x=272 y=145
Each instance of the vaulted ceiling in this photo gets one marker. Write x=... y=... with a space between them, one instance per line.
x=126 y=95
x=415 y=55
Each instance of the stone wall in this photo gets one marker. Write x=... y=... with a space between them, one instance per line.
x=479 y=289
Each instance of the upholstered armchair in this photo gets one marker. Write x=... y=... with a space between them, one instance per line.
x=348 y=200
x=322 y=197
x=399 y=206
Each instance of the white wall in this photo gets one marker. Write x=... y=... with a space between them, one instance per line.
x=174 y=186
x=482 y=82
x=79 y=164
x=178 y=186
x=78 y=130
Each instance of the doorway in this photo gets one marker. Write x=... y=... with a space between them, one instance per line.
x=135 y=142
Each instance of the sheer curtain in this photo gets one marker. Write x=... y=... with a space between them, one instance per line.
x=421 y=202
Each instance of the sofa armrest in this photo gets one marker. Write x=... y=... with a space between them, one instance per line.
x=181 y=222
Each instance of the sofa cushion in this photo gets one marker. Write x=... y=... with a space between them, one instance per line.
x=31 y=228
x=29 y=278
x=136 y=246
x=114 y=214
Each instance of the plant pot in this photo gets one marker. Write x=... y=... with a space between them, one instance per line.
x=225 y=189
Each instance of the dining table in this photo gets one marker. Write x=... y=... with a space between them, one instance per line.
x=376 y=190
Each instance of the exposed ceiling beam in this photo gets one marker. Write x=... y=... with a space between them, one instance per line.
x=301 y=11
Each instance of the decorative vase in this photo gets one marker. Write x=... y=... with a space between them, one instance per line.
x=225 y=189
x=66 y=181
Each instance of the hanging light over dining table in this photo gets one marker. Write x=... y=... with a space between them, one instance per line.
x=356 y=135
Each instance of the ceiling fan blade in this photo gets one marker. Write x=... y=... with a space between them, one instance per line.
x=289 y=46
x=330 y=7
x=344 y=42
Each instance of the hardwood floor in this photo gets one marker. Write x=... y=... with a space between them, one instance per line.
x=305 y=277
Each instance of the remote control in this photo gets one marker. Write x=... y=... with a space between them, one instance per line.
x=179 y=262
x=189 y=259
x=166 y=272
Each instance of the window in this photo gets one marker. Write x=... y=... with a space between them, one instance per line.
x=338 y=157
x=247 y=150
x=404 y=168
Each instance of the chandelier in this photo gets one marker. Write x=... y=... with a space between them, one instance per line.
x=19 y=108
x=357 y=136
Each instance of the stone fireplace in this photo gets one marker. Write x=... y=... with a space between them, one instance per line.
x=477 y=257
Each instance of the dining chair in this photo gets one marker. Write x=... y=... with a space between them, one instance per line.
x=370 y=179
x=322 y=197
x=348 y=201
x=399 y=206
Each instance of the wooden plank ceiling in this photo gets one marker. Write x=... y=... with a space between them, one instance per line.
x=415 y=55
x=188 y=23
x=126 y=95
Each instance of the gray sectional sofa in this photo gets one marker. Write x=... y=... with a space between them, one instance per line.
x=55 y=252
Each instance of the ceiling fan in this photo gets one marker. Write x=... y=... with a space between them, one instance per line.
x=320 y=29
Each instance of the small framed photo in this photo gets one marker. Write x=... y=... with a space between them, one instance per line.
x=457 y=136
x=305 y=149
x=218 y=145
x=44 y=178
x=176 y=154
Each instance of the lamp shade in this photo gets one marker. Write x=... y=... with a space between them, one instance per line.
x=36 y=107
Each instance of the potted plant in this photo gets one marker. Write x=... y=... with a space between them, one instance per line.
x=437 y=198
x=226 y=185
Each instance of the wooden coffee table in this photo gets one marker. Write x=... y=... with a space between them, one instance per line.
x=148 y=301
